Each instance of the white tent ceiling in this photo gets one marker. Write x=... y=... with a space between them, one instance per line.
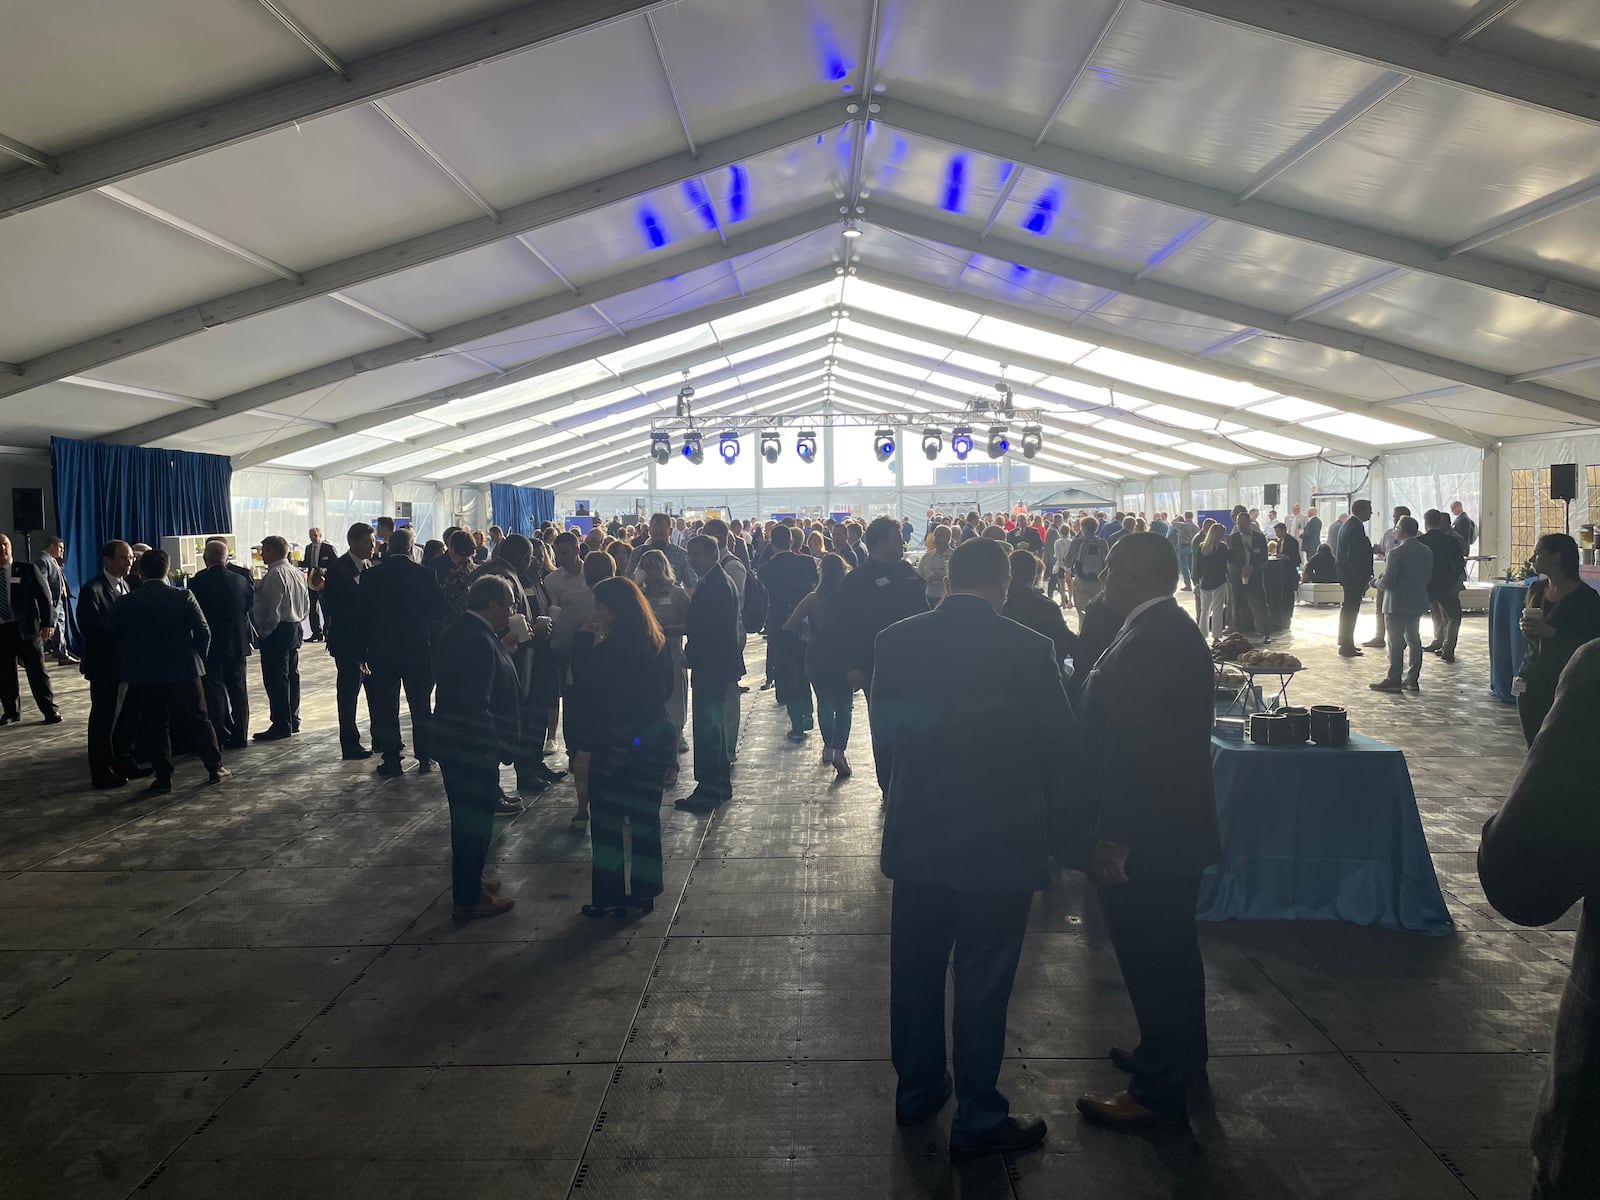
x=458 y=242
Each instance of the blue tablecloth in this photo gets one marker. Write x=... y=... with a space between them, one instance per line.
x=1320 y=834
x=1506 y=643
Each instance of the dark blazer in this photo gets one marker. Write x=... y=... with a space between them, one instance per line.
x=1311 y=536
x=30 y=599
x=1449 y=561
x=711 y=629
x=97 y=648
x=969 y=821
x=1034 y=610
x=1354 y=552
x=161 y=634
x=399 y=601
x=323 y=558
x=341 y=609
x=1144 y=772
x=874 y=597
x=1541 y=855
x=476 y=696
x=224 y=598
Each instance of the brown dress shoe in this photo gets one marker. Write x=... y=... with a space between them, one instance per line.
x=1122 y=1111
x=488 y=905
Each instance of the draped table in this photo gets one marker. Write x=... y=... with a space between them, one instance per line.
x=1506 y=643
x=1314 y=833
x=1281 y=580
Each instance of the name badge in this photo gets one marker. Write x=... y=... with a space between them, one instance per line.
x=1519 y=685
x=883 y=582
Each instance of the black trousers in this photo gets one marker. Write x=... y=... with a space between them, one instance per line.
x=1152 y=926
x=713 y=772
x=315 y=615
x=113 y=724
x=14 y=649
x=1251 y=594
x=1445 y=603
x=1349 y=610
x=472 y=790
x=985 y=931
x=383 y=705
x=280 y=675
x=163 y=707
x=348 y=684
x=228 y=700
x=625 y=785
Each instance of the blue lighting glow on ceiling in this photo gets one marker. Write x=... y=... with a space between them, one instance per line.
x=1043 y=214
x=656 y=235
x=737 y=185
x=830 y=56
x=700 y=202
x=955 y=179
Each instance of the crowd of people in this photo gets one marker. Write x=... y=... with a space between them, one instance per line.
x=613 y=645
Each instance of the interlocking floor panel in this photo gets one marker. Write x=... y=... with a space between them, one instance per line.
x=257 y=990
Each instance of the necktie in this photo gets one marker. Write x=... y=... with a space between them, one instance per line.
x=5 y=599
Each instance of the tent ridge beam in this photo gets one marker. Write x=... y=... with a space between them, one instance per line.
x=281 y=105
x=519 y=220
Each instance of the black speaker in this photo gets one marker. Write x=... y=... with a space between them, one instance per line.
x=1563 y=482
x=27 y=509
x=1269 y=495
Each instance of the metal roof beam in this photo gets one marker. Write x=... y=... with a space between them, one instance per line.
x=1205 y=304
x=586 y=352
x=655 y=269
x=604 y=387
x=1258 y=214
x=174 y=139
x=516 y=221
x=1401 y=49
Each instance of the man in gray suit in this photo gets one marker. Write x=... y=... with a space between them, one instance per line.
x=1540 y=856
x=1407 y=571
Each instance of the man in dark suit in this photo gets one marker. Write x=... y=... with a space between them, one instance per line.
x=1541 y=855
x=162 y=639
x=399 y=601
x=883 y=589
x=317 y=556
x=1354 y=552
x=1247 y=566
x=27 y=622
x=965 y=837
x=341 y=612
x=224 y=598
x=711 y=647
x=475 y=728
x=1150 y=818
x=111 y=731
x=1444 y=588
x=1311 y=535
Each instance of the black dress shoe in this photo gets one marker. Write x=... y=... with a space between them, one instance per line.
x=928 y=1109
x=159 y=787
x=355 y=753
x=424 y=765
x=52 y=718
x=10 y=718
x=235 y=744
x=695 y=803
x=507 y=806
x=389 y=768
x=1013 y=1137
x=132 y=770
x=531 y=785
x=106 y=782
x=549 y=776
x=270 y=735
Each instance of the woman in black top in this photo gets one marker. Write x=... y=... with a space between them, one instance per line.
x=1322 y=567
x=625 y=681
x=1562 y=614
x=1029 y=607
x=544 y=676
x=1210 y=571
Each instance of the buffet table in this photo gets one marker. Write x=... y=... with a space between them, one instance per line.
x=1506 y=643
x=1312 y=833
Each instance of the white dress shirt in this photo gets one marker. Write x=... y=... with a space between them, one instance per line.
x=281 y=597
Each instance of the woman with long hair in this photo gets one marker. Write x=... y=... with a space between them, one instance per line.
x=827 y=661
x=1211 y=579
x=670 y=603
x=544 y=669
x=626 y=678
x=621 y=552
x=567 y=639
x=1562 y=613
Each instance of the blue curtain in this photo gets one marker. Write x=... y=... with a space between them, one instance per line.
x=135 y=494
x=520 y=509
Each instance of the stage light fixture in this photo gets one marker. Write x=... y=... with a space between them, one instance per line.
x=728 y=446
x=932 y=442
x=771 y=445
x=851 y=229
x=961 y=441
x=883 y=444
x=661 y=447
x=691 y=448
x=999 y=443
x=1032 y=440
x=805 y=445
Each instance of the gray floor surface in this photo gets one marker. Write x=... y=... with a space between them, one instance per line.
x=256 y=990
